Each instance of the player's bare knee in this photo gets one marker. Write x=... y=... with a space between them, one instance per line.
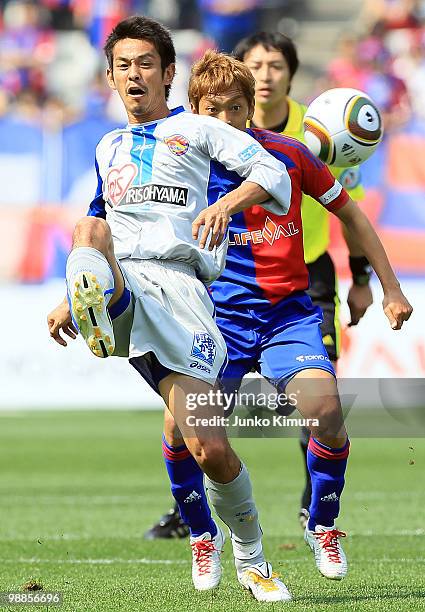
x=172 y=433
x=328 y=418
x=173 y=437
x=93 y=232
x=212 y=453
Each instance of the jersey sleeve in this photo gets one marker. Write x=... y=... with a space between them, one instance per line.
x=241 y=153
x=319 y=183
x=97 y=205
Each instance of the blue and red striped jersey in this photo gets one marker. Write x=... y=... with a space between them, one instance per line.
x=265 y=259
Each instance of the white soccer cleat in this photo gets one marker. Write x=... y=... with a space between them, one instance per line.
x=330 y=558
x=91 y=315
x=206 y=565
x=263 y=583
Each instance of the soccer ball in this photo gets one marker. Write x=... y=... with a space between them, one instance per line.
x=343 y=127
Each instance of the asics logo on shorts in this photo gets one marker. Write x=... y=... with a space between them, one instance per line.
x=199 y=366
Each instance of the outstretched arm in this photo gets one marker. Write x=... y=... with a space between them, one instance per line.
x=396 y=306
x=266 y=178
x=239 y=152
x=359 y=295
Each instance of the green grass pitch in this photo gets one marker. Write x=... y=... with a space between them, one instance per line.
x=78 y=489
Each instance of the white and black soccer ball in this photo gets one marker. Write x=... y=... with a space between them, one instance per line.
x=343 y=127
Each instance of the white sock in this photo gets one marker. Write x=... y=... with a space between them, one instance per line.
x=87 y=259
x=235 y=505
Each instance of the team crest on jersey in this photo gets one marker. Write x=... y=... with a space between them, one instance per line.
x=177 y=144
x=118 y=180
x=203 y=347
x=350 y=178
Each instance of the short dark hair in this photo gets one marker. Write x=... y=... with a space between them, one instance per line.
x=143 y=28
x=270 y=40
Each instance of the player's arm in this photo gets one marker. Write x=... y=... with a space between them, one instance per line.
x=396 y=306
x=360 y=295
x=318 y=182
x=216 y=218
x=266 y=179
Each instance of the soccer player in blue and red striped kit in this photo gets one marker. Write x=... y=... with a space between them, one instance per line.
x=269 y=322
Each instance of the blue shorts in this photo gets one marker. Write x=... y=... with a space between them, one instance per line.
x=278 y=341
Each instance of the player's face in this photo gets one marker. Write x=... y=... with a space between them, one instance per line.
x=230 y=106
x=138 y=77
x=271 y=73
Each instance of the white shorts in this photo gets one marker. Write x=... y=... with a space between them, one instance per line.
x=168 y=323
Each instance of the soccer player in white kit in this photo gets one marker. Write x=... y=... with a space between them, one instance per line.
x=137 y=272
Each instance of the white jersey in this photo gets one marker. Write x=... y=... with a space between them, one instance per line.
x=155 y=178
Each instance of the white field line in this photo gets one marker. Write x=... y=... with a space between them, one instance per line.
x=8 y=499
x=86 y=537
x=144 y=561
x=93 y=500
x=401 y=532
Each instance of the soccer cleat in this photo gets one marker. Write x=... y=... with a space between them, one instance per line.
x=91 y=315
x=263 y=583
x=303 y=517
x=171 y=525
x=206 y=565
x=330 y=558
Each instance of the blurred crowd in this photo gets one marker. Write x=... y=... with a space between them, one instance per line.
x=385 y=57
x=51 y=64
x=51 y=67
x=55 y=104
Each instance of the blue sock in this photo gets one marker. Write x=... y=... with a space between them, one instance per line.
x=187 y=487
x=327 y=469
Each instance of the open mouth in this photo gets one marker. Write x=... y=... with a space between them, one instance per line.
x=135 y=91
x=264 y=91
